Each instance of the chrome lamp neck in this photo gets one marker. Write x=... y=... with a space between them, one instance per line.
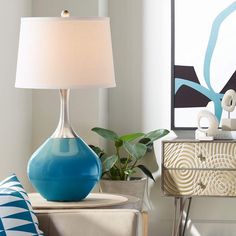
x=64 y=129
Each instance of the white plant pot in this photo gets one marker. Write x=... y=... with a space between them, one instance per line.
x=134 y=187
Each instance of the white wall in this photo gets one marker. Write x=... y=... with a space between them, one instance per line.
x=125 y=101
x=16 y=104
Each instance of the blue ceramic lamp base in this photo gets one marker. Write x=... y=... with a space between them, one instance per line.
x=64 y=168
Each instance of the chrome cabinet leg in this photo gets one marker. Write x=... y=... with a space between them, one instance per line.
x=179 y=226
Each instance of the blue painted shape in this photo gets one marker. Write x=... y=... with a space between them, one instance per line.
x=15 y=194
x=215 y=97
x=1 y=225
x=213 y=39
x=22 y=215
x=18 y=204
x=24 y=228
x=11 y=178
x=2 y=233
x=64 y=169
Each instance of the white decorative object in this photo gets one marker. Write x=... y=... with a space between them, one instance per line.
x=221 y=134
x=229 y=124
x=229 y=100
x=224 y=134
x=201 y=135
x=212 y=128
x=228 y=104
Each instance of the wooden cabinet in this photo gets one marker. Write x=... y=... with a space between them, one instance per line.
x=194 y=168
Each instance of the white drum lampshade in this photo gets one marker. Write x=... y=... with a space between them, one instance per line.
x=64 y=52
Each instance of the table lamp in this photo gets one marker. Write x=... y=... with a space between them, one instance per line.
x=64 y=53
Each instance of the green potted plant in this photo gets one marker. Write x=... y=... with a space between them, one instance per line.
x=119 y=167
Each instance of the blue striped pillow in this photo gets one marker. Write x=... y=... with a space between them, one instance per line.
x=16 y=214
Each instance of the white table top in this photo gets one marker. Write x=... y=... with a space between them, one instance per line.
x=93 y=200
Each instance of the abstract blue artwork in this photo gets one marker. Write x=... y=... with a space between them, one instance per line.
x=203 y=58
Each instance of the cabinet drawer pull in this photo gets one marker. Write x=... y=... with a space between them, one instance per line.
x=202 y=186
x=201 y=157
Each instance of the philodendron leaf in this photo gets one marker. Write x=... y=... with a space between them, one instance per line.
x=114 y=174
x=108 y=162
x=97 y=150
x=105 y=133
x=136 y=150
x=131 y=137
x=144 y=140
x=156 y=134
x=118 y=143
x=146 y=171
x=148 y=143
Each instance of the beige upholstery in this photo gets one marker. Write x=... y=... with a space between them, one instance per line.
x=90 y=222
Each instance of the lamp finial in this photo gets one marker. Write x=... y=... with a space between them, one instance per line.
x=65 y=13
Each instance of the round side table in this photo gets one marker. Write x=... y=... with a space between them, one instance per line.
x=93 y=200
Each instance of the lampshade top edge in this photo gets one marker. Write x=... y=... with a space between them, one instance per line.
x=71 y=18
